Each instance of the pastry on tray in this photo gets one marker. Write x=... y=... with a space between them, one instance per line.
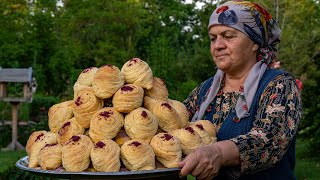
x=159 y=89
x=50 y=156
x=58 y=114
x=128 y=98
x=68 y=129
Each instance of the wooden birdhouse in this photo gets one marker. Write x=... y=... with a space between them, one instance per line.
x=16 y=84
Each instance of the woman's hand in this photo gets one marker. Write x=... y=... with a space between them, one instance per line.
x=206 y=161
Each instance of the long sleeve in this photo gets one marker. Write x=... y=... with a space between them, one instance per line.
x=275 y=125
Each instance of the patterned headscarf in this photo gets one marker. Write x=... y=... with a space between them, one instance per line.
x=255 y=22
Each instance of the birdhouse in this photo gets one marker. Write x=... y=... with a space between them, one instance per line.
x=17 y=84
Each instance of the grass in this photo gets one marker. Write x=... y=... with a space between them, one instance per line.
x=9 y=158
x=307 y=168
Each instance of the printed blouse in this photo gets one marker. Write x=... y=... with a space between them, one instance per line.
x=274 y=126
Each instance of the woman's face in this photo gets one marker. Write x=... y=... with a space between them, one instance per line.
x=232 y=51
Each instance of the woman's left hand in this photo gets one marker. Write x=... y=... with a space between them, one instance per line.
x=203 y=163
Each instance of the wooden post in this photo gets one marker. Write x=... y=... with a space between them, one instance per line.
x=14 y=139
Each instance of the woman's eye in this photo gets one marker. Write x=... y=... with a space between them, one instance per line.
x=212 y=39
x=228 y=36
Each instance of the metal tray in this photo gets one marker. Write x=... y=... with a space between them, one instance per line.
x=167 y=173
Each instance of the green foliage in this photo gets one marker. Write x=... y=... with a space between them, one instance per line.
x=40 y=106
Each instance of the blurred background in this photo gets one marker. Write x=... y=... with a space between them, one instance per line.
x=60 y=38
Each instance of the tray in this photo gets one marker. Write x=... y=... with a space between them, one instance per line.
x=167 y=173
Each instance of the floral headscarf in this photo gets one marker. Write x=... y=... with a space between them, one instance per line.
x=255 y=22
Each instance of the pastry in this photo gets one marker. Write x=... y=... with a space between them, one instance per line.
x=50 y=156
x=137 y=155
x=141 y=124
x=86 y=76
x=32 y=139
x=68 y=129
x=189 y=139
x=138 y=72
x=128 y=98
x=182 y=111
x=76 y=153
x=105 y=156
x=205 y=136
x=208 y=127
x=107 y=80
x=121 y=137
x=159 y=89
x=167 y=149
x=149 y=102
x=166 y=114
x=41 y=140
x=105 y=124
x=77 y=87
x=85 y=104
x=58 y=114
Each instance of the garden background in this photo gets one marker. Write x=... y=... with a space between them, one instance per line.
x=60 y=38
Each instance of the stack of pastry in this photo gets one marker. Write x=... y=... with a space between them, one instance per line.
x=118 y=119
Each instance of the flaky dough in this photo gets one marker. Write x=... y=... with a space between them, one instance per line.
x=128 y=98
x=58 y=114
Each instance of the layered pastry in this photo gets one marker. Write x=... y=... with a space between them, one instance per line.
x=105 y=124
x=58 y=114
x=68 y=129
x=205 y=136
x=208 y=127
x=50 y=156
x=107 y=80
x=141 y=124
x=128 y=98
x=159 y=90
x=167 y=149
x=188 y=138
x=138 y=72
x=76 y=153
x=105 y=156
x=182 y=111
x=166 y=114
x=85 y=104
x=32 y=139
x=149 y=102
x=84 y=79
x=40 y=141
x=137 y=155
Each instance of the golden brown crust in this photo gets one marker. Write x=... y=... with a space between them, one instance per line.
x=50 y=156
x=137 y=155
x=76 y=153
x=128 y=98
x=58 y=114
x=138 y=72
x=182 y=111
x=141 y=124
x=159 y=89
x=167 y=149
x=68 y=129
x=105 y=156
x=106 y=81
x=85 y=104
x=105 y=124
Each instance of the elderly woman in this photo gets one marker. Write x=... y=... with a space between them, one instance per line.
x=255 y=107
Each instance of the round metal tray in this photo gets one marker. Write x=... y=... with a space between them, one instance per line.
x=167 y=173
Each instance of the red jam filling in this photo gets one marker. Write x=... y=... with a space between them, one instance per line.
x=39 y=136
x=133 y=61
x=87 y=70
x=78 y=101
x=105 y=113
x=135 y=143
x=100 y=144
x=144 y=114
x=66 y=124
x=200 y=126
x=126 y=88
x=75 y=138
x=167 y=137
x=190 y=129
x=166 y=105
x=50 y=145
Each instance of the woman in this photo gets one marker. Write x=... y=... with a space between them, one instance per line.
x=255 y=107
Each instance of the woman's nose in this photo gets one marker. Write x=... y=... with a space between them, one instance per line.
x=219 y=43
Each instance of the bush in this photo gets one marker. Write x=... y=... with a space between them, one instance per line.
x=15 y=173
